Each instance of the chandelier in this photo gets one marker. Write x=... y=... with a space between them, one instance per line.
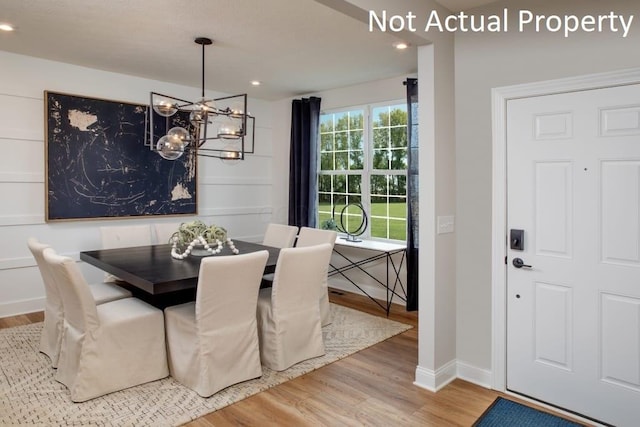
x=218 y=127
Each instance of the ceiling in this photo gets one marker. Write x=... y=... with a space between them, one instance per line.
x=293 y=47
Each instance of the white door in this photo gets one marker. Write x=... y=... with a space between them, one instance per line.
x=573 y=186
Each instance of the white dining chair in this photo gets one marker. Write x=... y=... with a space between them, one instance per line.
x=289 y=324
x=212 y=343
x=123 y=236
x=280 y=235
x=107 y=347
x=164 y=231
x=315 y=236
x=53 y=310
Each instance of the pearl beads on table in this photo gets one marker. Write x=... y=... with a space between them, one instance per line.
x=203 y=242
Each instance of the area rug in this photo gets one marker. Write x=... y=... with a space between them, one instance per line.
x=505 y=412
x=29 y=394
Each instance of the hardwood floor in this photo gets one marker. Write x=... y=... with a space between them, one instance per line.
x=373 y=387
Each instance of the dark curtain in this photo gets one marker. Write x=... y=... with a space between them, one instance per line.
x=412 y=195
x=305 y=119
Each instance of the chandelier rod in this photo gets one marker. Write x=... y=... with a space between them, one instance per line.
x=203 y=71
x=203 y=41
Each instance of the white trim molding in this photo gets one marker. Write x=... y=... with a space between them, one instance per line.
x=500 y=97
x=234 y=211
x=15 y=308
x=475 y=375
x=22 y=177
x=434 y=381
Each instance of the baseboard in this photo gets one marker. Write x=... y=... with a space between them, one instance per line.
x=475 y=375
x=16 y=308
x=435 y=380
x=377 y=292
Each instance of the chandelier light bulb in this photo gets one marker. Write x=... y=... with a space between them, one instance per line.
x=179 y=135
x=170 y=148
x=228 y=131
x=165 y=108
x=236 y=111
x=197 y=117
x=230 y=155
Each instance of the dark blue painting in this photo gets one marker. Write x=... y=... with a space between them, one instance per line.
x=99 y=167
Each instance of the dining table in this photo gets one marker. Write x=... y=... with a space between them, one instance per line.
x=153 y=275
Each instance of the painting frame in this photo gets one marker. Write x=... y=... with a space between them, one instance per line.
x=98 y=165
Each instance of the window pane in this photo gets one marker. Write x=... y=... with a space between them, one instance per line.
x=326 y=141
x=380 y=159
x=342 y=160
x=398 y=116
x=326 y=161
x=326 y=123
x=398 y=137
x=342 y=141
x=356 y=119
x=398 y=185
x=340 y=184
x=381 y=138
x=380 y=117
x=399 y=159
x=397 y=207
x=324 y=201
x=355 y=140
x=379 y=227
x=397 y=229
x=378 y=205
x=355 y=198
x=355 y=182
x=323 y=216
x=356 y=160
x=341 y=121
x=378 y=185
x=324 y=183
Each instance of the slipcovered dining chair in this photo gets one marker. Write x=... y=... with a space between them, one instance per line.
x=280 y=235
x=124 y=236
x=107 y=347
x=288 y=313
x=212 y=343
x=51 y=336
x=314 y=236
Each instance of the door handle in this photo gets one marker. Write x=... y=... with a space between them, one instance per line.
x=519 y=263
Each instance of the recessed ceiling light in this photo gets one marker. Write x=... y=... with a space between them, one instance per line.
x=6 y=27
x=255 y=83
x=401 y=45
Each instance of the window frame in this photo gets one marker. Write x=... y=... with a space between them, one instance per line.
x=368 y=168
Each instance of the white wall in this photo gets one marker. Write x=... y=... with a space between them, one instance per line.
x=485 y=61
x=237 y=197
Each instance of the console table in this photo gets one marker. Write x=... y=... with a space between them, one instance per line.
x=377 y=250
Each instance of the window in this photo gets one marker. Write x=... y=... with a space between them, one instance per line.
x=363 y=158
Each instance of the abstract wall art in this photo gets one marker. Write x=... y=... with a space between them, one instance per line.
x=97 y=164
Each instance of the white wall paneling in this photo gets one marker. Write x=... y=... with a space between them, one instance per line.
x=237 y=197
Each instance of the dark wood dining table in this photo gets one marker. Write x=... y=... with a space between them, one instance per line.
x=152 y=275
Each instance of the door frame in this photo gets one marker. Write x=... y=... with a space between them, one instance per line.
x=499 y=98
